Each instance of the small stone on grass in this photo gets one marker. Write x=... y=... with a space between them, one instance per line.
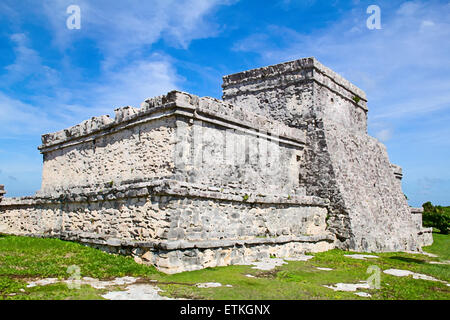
x=349 y=287
x=299 y=258
x=268 y=264
x=405 y=273
x=363 y=294
x=137 y=292
x=208 y=285
x=324 y=269
x=360 y=256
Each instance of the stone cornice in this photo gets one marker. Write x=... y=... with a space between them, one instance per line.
x=175 y=103
x=164 y=187
x=307 y=69
x=105 y=240
x=416 y=210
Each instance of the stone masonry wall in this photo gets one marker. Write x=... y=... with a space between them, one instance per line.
x=182 y=183
x=425 y=234
x=169 y=219
x=177 y=136
x=236 y=159
x=282 y=166
x=145 y=150
x=368 y=211
x=380 y=219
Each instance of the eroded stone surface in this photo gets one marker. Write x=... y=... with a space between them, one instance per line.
x=98 y=284
x=137 y=292
x=2 y=192
x=268 y=264
x=406 y=273
x=95 y=283
x=42 y=282
x=350 y=287
x=324 y=269
x=342 y=162
x=360 y=256
x=132 y=291
x=363 y=294
x=432 y=255
x=208 y=285
x=440 y=262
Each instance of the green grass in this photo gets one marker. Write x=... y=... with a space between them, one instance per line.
x=441 y=246
x=301 y=280
x=24 y=259
x=22 y=256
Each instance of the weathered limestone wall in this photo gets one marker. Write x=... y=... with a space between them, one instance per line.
x=166 y=223
x=342 y=163
x=288 y=92
x=236 y=159
x=380 y=219
x=182 y=183
x=425 y=234
x=178 y=136
x=144 y=150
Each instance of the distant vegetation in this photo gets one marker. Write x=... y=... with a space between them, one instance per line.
x=437 y=217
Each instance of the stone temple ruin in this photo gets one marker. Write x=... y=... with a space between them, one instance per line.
x=282 y=166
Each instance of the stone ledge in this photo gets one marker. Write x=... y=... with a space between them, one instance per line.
x=426 y=230
x=174 y=103
x=169 y=245
x=398 y=171
x=182 y=244
x=165 y=188
x=416 y=210
x=316 y=71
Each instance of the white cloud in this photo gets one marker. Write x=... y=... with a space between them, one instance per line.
x=20 y=118
x=139 y=80
x=54 y=104
x=123 y=32
x=128 y=86
x=384 y=135
x=410 y=8
x=405 y=64
x=122 y=27
x=67 y=105
x=428 y=23
x=28 y=65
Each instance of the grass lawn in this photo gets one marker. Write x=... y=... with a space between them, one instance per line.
x=25 y=259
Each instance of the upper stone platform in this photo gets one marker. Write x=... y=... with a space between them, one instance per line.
x=295 y=91
x=293 y=71
x=179 y=137
x=128 y=115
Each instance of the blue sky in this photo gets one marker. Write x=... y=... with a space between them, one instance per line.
x=52 y=77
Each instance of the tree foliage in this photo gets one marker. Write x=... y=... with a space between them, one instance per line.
x=436 y=216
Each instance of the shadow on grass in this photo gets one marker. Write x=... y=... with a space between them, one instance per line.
x=409 y=260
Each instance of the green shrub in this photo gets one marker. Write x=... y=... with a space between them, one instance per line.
x=356 y=99
x=436 y=216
